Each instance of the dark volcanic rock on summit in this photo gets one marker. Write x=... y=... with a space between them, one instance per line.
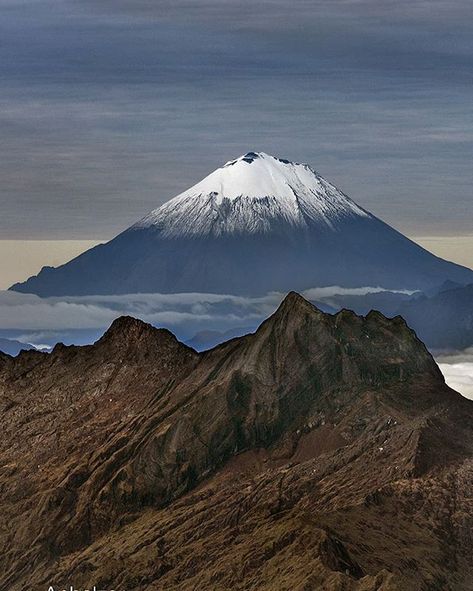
x=321 y=452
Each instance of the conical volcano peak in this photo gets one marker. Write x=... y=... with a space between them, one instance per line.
x=256 y=224
x=256 y=193
x=259 y=175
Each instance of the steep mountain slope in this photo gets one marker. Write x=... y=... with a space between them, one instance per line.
x=321 y=452
x=255 y=225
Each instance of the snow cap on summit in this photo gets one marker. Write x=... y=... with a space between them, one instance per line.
x=255 y=225
x=253 y=193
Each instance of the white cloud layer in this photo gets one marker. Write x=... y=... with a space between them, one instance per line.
x=183 y=313
x=317 y=293
x=457 y=369
x=44 y=321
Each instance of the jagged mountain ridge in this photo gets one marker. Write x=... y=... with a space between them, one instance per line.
x=295 y=457
x=255 y=225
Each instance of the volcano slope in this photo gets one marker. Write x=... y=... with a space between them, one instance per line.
x=321 y=452
x=255 y=225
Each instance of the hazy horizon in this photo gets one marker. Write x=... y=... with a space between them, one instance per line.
x=20 y=259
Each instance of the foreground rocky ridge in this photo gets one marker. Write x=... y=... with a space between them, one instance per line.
x=321 y=452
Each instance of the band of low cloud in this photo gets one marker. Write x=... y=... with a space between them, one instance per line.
x=43 y=322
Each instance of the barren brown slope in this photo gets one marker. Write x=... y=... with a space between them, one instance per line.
x=322 y=452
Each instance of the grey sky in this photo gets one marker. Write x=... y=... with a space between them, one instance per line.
x=108 y=108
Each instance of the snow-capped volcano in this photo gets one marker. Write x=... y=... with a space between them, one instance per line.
x=254 y=193
x=256 y=224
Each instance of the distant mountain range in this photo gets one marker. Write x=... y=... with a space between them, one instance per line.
x=443 y=320
x=13 y=347
x=255 y=225
x=320 y=452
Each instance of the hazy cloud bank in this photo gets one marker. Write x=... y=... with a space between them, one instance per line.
x=184 y=313
x=45 y=321
x=458 y=370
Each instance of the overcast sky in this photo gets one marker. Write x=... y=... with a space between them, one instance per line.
x=110 y=107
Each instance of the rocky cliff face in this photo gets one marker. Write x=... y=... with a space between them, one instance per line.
x=321 y=452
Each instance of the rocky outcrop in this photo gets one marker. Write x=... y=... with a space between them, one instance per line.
x=321 y=452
